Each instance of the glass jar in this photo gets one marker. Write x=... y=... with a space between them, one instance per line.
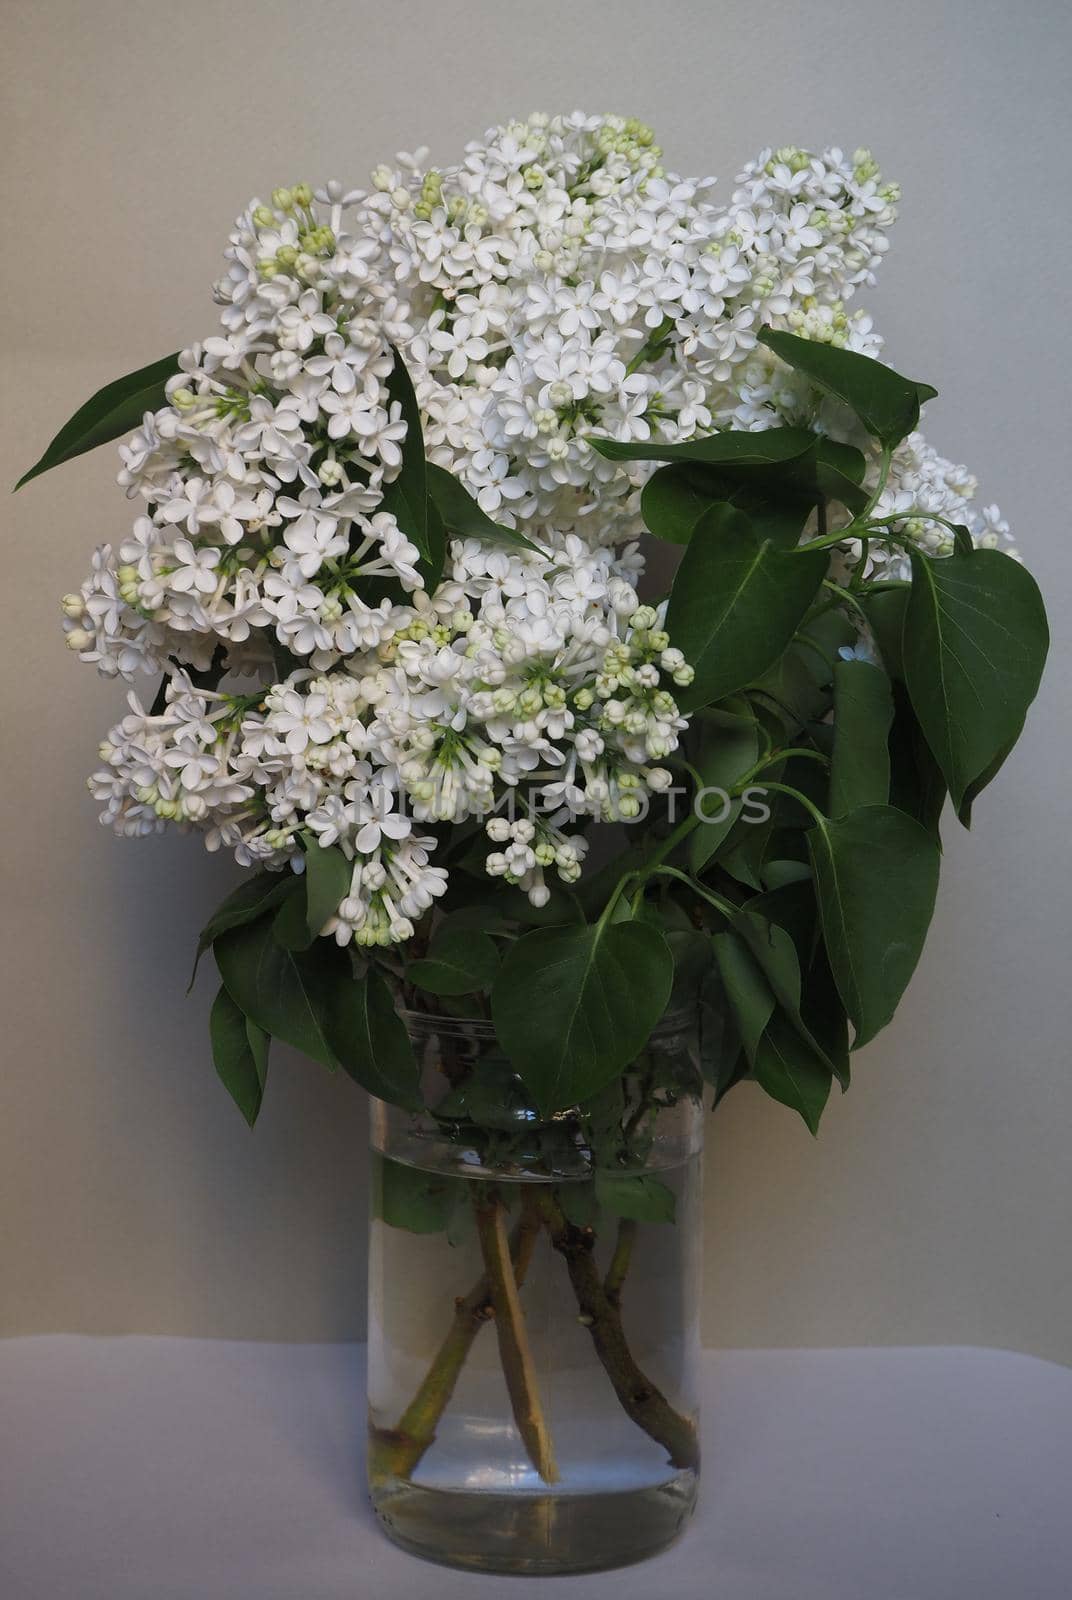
x=534 y=1310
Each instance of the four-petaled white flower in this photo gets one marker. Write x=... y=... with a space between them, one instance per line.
x=301 y=721
x=195 y=570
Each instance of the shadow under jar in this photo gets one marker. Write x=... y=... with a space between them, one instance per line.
x=534 y=1310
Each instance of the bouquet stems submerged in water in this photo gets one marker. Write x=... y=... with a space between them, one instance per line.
x=496 y=1296
x=396 y=1452
x=599 y=1303
x=515 y=1353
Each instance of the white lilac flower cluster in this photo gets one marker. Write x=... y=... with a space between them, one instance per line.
x=924 y=485
x=564 y=710
x=555 y=284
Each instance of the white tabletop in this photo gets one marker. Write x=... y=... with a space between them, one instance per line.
x=177 y=1469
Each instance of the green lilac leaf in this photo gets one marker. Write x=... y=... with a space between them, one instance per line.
x=876 y=876
x=824 y=1015
x=259 y=1042
x=977 y=785
x=463 y=517
x=728 y=749
x=860 y=760
x=773 y=948
x=781 y=953
x=746 y=988
x=887 y=404
x=839 y=472
x=481 y=915
x=916 y=782
x=459 y=961
x=788 y=1069
x=327 y=882
x=240 y=1055
x=290 y=925
x=253 y=898
x=974 y=646
x=116 y=409
x=781 y=874
x=285 y=992
x=573 y=1006
x=411 y=1198
x=692 y=954
x=885 y=611
x=431 y=570
x=788 y=901
x=776 y=475
x=735 y=449
x=672 y=503
x=736 y=603
x=406 y=496
x=722 y=1061
x=368 y=1038
x=638 y=1197
x=674 y=499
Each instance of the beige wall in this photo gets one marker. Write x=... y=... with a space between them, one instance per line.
x=937 y=1203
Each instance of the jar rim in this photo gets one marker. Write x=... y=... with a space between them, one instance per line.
x=670 y=1022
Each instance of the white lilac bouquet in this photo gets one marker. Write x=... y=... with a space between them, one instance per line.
x=387 y=568
x=386 y=563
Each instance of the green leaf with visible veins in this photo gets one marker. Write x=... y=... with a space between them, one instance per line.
x=459 y=961
x=733 y=448
x=290 y=925
x=240 y=1054
x=887 y=404
x=285 y=992
x=573 y=1006
x=777 y=490
x=463 y=516
x=737 y=600
x=775 y=951
x=729 y=748
x=253 y=898
x=369 y=1038
x=876 y=876
x=974 y=646
x=672 y=503
x=746 y=988
x=787 y=1067
x=116 y=409
x=675 y=498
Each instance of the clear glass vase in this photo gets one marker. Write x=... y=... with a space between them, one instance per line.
x=534 y=1310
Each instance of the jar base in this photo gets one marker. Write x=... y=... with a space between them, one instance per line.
x=534 y=1534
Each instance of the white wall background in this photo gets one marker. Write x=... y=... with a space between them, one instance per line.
x=936 y=1205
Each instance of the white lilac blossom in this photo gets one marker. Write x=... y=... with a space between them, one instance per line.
x=554 y=285
x=529 y=721
x=923 y=486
